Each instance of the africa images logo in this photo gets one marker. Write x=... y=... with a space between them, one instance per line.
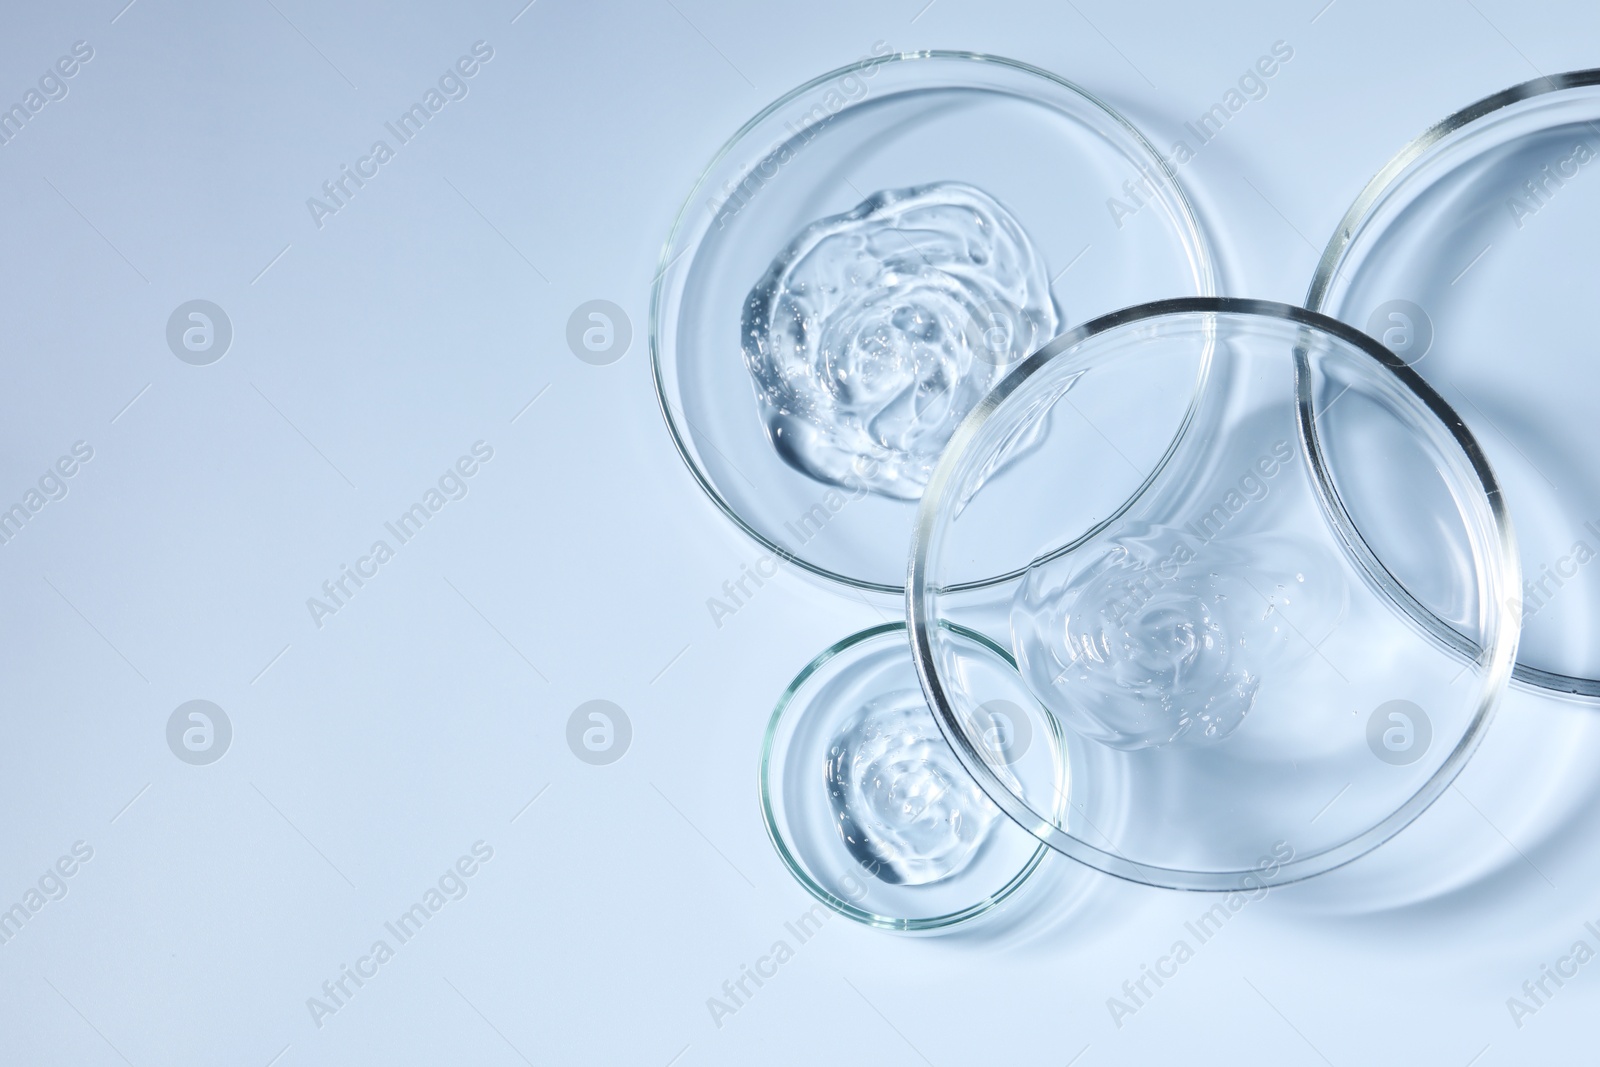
x=1399 y=732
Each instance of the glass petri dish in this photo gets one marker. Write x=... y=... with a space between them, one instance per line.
x=922 y=221
x=1248 y=693
x=1471 y=255
x=867 y=806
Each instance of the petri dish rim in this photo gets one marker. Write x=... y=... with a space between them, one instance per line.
x=1392 y=175
x=1500 y=658
x=1192 y=235
x=769 y=818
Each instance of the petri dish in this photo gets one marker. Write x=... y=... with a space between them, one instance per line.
x=870 y=254
x=1471 y=255
x=866 y=804
x=1248 y=693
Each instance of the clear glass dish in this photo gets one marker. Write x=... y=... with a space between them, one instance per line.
x=1078 y=211
x=1246 y=691
x=1471 y=253
x=866 y=804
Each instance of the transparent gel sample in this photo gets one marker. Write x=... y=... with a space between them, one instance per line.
x=869 y=808
x=875 y=332
x=1165 y=636
x=902 y=803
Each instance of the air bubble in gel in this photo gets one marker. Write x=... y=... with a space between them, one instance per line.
x=875 y=332
x=906 y=809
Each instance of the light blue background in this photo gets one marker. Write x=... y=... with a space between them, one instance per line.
x=371 y=753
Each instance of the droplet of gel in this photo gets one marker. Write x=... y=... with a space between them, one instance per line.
x=1140 y=647
x=906 y=809
x=875 y=332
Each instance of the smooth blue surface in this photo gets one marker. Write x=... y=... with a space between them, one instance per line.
x=369 y=754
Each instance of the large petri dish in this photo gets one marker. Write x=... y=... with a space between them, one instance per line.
x=868 y=808
x=1248 y=692
x=1471 y=254
x=922 y=221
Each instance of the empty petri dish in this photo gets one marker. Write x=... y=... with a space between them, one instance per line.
x=871 y=811
x=1247 y=692
x=1471 y=255
x=866 y=258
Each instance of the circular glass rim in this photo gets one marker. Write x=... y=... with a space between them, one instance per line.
x=1192 y=235
x=769 y=817
x=1376 y=191
x=1498 y=659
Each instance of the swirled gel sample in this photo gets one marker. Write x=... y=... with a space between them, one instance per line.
x=904 y=806
x=1165 y=637
x=874 y=333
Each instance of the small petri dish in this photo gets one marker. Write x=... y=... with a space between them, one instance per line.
x=1247 y=692
x=868 y=807
x=869 y=255
x=1471 y=255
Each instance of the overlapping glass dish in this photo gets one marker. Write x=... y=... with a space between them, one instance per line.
x=1471 y=254
x=1196 y=609
x=1204 y=593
